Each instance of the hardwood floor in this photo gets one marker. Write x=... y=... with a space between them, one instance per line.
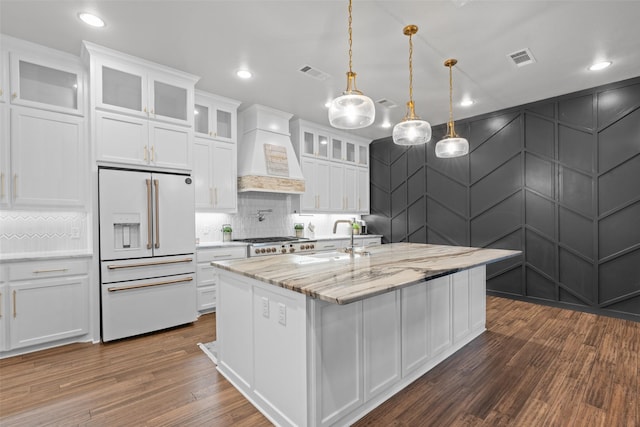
x=535 y=366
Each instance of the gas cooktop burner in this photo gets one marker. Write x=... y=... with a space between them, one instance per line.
x=271 y=239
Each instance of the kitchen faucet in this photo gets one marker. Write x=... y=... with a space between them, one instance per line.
x=350 y=249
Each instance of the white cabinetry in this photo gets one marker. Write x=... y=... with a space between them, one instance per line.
x=4 y=309
x=143 y=111
x=46 y=302
x=43 y=154
x=215 y=153
x=207 y=277
x=346 y=188
x=48 y=158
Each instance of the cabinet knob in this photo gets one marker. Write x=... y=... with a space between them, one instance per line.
x=1 y=92
x=14 y=95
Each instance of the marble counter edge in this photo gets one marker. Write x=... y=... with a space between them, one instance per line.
x=42 y=256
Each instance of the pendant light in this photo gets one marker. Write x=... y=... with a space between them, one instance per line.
x=352 y=110
x=411 y=130
x=451 y=145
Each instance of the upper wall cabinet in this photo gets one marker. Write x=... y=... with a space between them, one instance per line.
x=311 y=140
x=215 y=117
x=37 y=77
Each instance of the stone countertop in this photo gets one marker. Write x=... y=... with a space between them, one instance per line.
x=345 y=236
x=341 y=279
x=219 y=244
x=41 y=256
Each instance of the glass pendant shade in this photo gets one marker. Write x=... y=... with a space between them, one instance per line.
x=412 y=132
x=452 y=147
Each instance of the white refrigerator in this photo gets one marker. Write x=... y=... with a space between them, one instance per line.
x=147 y=245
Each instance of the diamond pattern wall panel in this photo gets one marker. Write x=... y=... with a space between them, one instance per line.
x=558 y=179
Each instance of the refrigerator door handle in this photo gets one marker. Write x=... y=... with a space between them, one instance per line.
x=157 y=192
x=149 y=217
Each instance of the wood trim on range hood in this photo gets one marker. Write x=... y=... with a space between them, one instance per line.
x=262 y=126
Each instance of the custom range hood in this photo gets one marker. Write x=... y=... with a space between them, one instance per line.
x=267 y=161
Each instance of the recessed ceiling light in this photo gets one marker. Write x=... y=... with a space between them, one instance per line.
x=244 y=74
x=466 y=102
x=91 y=19
x=599 y=66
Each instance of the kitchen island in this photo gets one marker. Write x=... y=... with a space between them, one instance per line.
x=322 y=339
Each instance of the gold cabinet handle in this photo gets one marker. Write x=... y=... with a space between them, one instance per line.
x=53 y=270
x=144 y=109
x=147 y=285
x=146 y=153
x=148 y=181
x=215 y=196
x=15 y=305
x=14 y=95
x=1 y=92
x=211 y=196
x=359 y=204
x=153 y=153
x=15 y=185
x=157 y=188
x=0 y=292
x=148 y=264
x=1 y=184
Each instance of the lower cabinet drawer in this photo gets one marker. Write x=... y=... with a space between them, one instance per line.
x=207 y=298
x=47 y=268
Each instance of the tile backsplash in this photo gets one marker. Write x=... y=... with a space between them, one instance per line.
x=278 y=222
x=27 y=232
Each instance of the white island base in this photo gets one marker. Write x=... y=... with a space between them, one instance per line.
x=306 y=362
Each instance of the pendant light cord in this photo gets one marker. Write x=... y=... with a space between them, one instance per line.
x=450 y=94
x=350 y=38
x=410 y=69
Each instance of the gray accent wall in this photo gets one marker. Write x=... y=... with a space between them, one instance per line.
x=558 y=179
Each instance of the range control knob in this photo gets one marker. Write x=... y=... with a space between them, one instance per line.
x=311 y=246
x=291 y=250
x=284 y=250
x=257 y=250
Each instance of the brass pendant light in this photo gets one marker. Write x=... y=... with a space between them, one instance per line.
x=351 y=110
x=411 y=130
x=451 y=145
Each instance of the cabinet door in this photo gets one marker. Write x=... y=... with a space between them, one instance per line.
x=50 y=84
x=363 y=190
x=323 y=186
x=121 y=87
x=336 y=185
x=309 y=200
x=4 y=298
x=224 y=120
x=322 y=149
x=47 y=158
x=4 y=75
x=203 y=173
x=224 y=177
x=308 y=143
x=170 y=146
x=122 y=139
x=350 y=186
x=171 y=100
x=350 y=152
x=440 y=314
x=363 y=155
x=4 y=156
x=48 y=310
x=336 y=149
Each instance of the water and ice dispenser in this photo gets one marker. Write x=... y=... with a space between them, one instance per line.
x=126 y=229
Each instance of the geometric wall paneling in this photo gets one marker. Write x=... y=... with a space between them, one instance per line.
x=577 y=276
x=398 y=171
x=447 y=223
x=540 y=253
x=617 y=102
x=498 y=185
x=447 y=191
x=540 y=214
x=547 y=109
x=539 y=175
x=484 y=129
x=399 y=199
x=502 y=146
x=399 y=227
x=576 y=148
x=509 y=282
x=619 y=141
x=541 y=178
x=620 y=277
x=379 y=174
x=576 y=232
x=498 y=221
x=614 y=238
x=416 y=185
x=576 y=191
x=539 y=286
x=631 y=305
x=539 y=135
x=577 y=111
x=417 y=216
x=620 y=186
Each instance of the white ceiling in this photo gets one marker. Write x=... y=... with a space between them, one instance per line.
x=274 y=39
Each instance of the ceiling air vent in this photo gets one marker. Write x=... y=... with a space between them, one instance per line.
x=314 y=72
x=386 y=103
x=522 y=57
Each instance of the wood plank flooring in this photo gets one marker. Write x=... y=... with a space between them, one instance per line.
x=535 y=366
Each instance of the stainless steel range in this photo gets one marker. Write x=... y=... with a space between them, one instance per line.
x=263 y=246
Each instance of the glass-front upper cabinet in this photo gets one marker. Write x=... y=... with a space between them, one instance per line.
x=215 y=116
x=46 y=83
x=363 y=155
x=336 y=149
x=350 y=152
x=4 y=75
x=323 y=146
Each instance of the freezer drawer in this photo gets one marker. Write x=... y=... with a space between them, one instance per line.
x=141 y=306
x=144 y=268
